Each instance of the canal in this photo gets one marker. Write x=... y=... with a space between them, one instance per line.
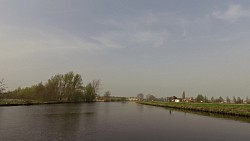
x=114 y=121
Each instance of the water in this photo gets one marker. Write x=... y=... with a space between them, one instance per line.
x=114 y=122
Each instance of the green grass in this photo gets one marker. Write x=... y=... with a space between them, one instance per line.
x=229 y=109
x=17 y=102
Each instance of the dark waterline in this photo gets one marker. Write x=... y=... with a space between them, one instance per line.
x=114 y=122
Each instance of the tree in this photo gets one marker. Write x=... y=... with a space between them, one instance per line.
x=107 y=94
x=96 y=86
x=183 y=95
x=239 y=100
x=221 y=99
x=228 y=99
x=39 y=91
x=63 y=87
x=89 y=93
x=150 y=97
x=199 y=98
x=247 y=100
x=73 y=84
x=205 y=99
x=234 y=99
x=140 y=96
x=2 y=86
x=212 y=99
x=55 y=88
x=161 y=99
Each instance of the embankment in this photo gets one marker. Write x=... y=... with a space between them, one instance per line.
x=226 y=109
x=20 y=102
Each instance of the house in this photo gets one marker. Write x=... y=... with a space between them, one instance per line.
x=188 y=99
x=133 y=99
x=177 y=100
x=171 y=99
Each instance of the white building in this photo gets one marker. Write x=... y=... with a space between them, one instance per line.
x=133 y=99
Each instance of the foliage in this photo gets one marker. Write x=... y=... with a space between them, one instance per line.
x=199 y=98
x=247 y=100
x=219 y=100
x=206 y=99
x=2 y=87
x=234 y=99
x=150 y=97
x=239 y=100
x=228 y=99
x=96 y=86
x=61 y=87
x=140 y=96
x=183 y=95
x=212 y=99
x=232 y=109
x=107 y=94
x=89 y=93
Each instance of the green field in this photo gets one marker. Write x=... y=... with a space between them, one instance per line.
x=17 y=102
x=227 y=109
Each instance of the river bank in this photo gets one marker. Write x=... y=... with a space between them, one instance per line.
x=20 y=102
x=226 y=109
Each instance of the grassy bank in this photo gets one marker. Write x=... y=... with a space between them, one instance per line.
x=19 y=102
x=226 y=109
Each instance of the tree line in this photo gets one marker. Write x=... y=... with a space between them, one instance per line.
x=61 y=87
x=199 y=99
x=2 y=87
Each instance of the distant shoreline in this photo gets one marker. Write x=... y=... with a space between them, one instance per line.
x=30 y=102
x=225 y=109
x=18 y=102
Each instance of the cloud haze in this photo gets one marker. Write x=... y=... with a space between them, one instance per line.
x=157 y=47
x=233 y=13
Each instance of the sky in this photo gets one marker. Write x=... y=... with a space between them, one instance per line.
x=159 y=47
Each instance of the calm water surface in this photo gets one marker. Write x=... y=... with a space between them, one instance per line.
x=114 y=122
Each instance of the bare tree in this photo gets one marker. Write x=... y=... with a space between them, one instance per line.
x=247 y=100
x=96 y=86
x=228 y=99
x=140 y=96
x=205 y=99
x=212 y=99
x=2 y=88
x=150 y=97
x=234 y=99
x=107 y=94
x=221 y=100
x=239 y=100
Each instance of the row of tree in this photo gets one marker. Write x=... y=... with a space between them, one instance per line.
x=238 y=100
x=200 y=99
x=2 y=87
x=149 y=97
x=61 y=87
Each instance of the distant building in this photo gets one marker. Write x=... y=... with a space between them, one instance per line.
x=175 y=99
x=188 y=99
x=133 y=99
x=171 y=99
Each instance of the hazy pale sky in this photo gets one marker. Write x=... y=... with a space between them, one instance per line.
x=158 y=47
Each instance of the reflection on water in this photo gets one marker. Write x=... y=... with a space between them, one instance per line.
x=171 y=111
x=214 y=115
x=116 y=121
